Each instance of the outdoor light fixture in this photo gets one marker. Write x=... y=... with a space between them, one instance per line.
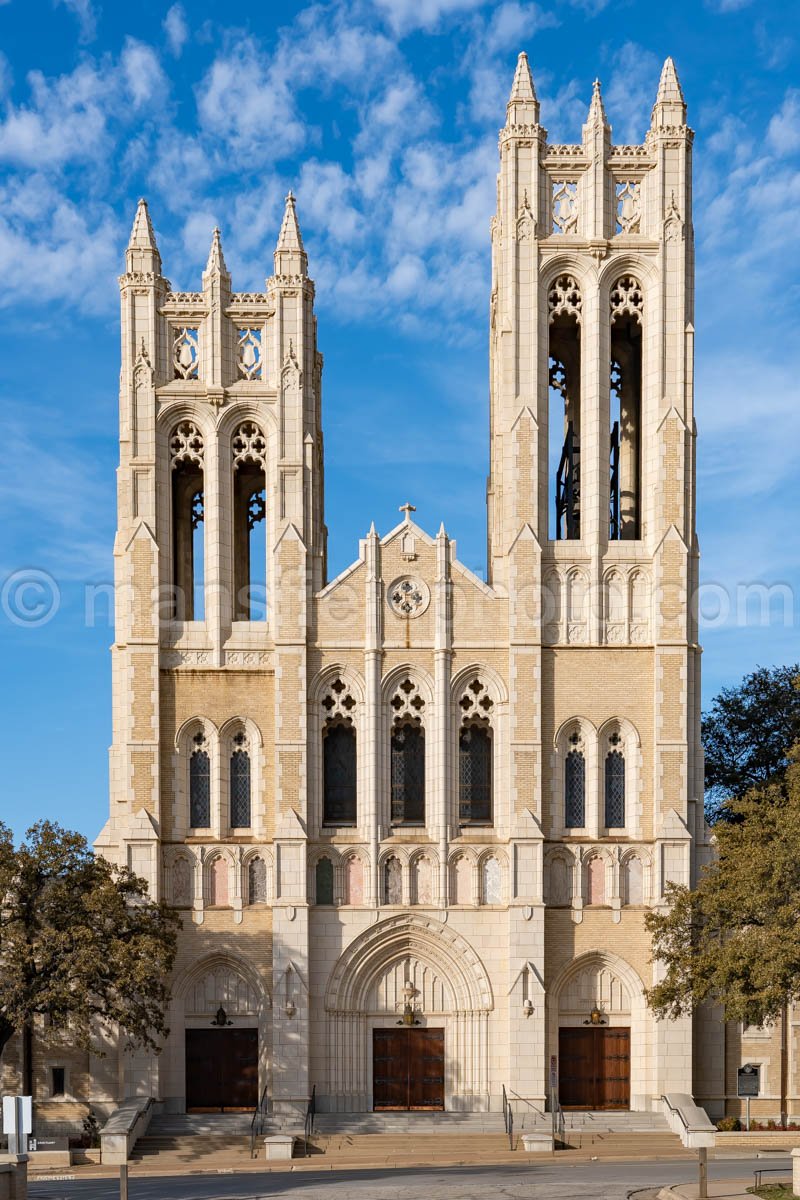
x=221 y=1019
x=409 y=992
x=527 y=1007
x=290 y=1008
x=596 y=1017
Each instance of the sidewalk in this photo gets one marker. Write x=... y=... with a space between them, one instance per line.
x=726 y=1189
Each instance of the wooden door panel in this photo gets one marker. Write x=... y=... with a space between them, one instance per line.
x=576 y=1070
x=426 y=1068
x=221 y=1069
x=408 y=1068
x=614 y=1068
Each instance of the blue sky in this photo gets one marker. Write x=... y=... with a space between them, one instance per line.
x=382 y=115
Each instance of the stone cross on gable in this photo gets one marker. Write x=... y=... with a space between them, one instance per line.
x=407 y=508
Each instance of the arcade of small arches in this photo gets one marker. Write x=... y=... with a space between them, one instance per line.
x=612 y=876
x=409 y=878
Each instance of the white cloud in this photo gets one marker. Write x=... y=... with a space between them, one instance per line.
x=631 y=91
x=511 y=21
x=728 y=6
x=245 y=99
x=783 y=132
x=146 y=82
x=404 y=16
x=590 y=7
x=66 y=120
x=83 y=11
x=176 y=29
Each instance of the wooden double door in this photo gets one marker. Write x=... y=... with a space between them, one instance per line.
x=221 y=1070
x=408 y=1068
x=594 y=1067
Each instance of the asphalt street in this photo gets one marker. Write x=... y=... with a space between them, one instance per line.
x=582 y=1181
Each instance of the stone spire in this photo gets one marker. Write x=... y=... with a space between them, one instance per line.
x=290 y=257
x=142 y=252
x=670 y=106
x=216 y=266
x=597 y=118
x=523 y=105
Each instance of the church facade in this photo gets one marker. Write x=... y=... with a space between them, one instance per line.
x=413 y=820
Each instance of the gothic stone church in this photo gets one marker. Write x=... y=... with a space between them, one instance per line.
x=413 y=821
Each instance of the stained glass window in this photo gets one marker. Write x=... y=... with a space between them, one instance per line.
x=339 y=805
x=574 y=790
x=200 y=790
x=408 y=773
x=615 y=790
x=475 y=774
x=240 y=790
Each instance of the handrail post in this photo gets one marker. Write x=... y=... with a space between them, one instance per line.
x=702 y=1162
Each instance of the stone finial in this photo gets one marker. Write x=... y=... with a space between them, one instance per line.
x=141 y=255
x=142 y=235
x=290 y=257
x=216 y=259
x=670 y=106
x=523 y=104
x=597 y=112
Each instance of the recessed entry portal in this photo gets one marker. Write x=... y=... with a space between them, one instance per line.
x=594 y=1068
x=408 y=1069
x=221 y=1070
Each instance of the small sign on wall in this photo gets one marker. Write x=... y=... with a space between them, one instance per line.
x=749 y=1080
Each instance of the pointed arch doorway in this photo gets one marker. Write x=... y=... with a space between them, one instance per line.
x=376 y=1060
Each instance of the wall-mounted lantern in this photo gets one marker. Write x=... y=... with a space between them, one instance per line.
x=409 y=992
x=221 y=1019
x=596 y=1017
x=527 y=1007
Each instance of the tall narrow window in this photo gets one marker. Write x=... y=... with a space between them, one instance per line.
x=575 y=790
x=339 y=783
x=408 y=773
x=564 y=407
x=218 y=882
x=392 y=881
x=249 y=523
x=625 y=410
x=324 y=881
x=240 y=784
x=188 y=553
x=475 y=773
x=199 y=785
x=257 y=881
x=615 y=790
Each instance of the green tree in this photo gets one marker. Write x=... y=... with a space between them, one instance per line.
x=80 y=943
x=735 y=939
x=747 y=735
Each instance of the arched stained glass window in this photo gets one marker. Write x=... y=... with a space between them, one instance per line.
x=408 y=773
x=240 y=790
x=475 y=773
x=324 y=881
x=615 y=790
x=339 y=805
x=200 y=786
x=574 y=790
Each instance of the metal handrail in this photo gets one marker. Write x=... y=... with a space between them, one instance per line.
x=311 y=1112
x=257 y=1121
x=769 y=1171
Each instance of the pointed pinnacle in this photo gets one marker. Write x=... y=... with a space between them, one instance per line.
x=442 y=531
x=597 y=112
x=523 y=105
x=290 y=237
x=142 y=235
x=522 y=88
x=216 y=259
x=669 y=86
x=372 y=530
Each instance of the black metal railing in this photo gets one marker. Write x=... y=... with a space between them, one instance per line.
x=769 y=1171
x=257 y=1122
x=568 y=504
x=613 y=464
x=508 y=1118
x=311 y=1113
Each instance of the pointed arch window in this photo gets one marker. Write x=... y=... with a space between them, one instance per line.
x=249 y=523
x=188 y=506
x=615 y=787
x=625 y=394
x=575 y=789
x=324 y=881
x=565 y=305
x=475 y=773
x=408 y=773
x=339 y=774
x=257 y=881
x=200 y=784
x=240 y=784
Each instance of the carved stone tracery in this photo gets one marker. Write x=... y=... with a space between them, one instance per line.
x=564 y=298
